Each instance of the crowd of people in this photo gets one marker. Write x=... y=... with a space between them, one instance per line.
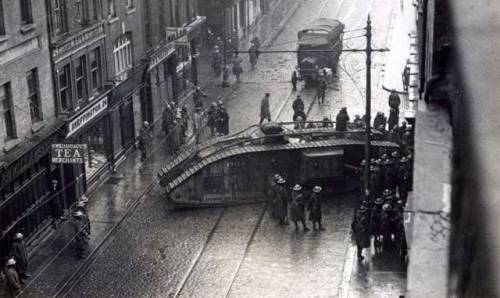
x=294 y=204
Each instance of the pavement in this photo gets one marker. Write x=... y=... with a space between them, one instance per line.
x=142 y=249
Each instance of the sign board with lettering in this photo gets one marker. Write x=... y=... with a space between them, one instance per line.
x=85 y=117
x=68 y=153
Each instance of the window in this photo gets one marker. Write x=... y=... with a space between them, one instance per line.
x=95 y=69
x=8 y=113
x=111 y=8
x=60 y=25
x=65 y=87
x=26 y=13
x=130 y=4
x=34 y=95
x=81 y=79
x=96 y=9
x=122 y=52
x=2 y=22
x=82 y=11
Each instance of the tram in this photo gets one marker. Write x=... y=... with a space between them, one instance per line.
x=319 y=47
x=235 y=169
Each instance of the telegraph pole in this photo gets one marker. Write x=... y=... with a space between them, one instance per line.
x=368 y=104
x=224 y=46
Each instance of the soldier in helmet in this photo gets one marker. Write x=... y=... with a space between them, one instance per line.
x=273 y=189
x=298 y=207
x=144 y=139
x=403 y=181
x=314 y=208
x=282 y=202
x=81 y=206
x=361 y=232
x=375 y=223
x=20 y=255
x=13 y=282
x=81 y=234
x=386 y=224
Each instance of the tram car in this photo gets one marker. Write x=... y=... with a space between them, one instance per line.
x=236 y=169
x=319 y=47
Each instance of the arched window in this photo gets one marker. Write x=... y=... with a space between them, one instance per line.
x=122 y=52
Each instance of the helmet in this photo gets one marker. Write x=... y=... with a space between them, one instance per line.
x=220 y=103
x=84 y=199
x=145 y=123
x=10 y=262
x=379 y=201
x=387 y=192
x=276 y=177
x=317 y=189
x=78 y=214
x=214 y=104
x=395 y=153
x=18 y=236
x=363 y=162
x=403 y=159
x=297 y=187
x=386 y=206
x=362 y=209
x=281 y=181
x=80 y=204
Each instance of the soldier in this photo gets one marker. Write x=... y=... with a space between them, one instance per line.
x=314 y=208
x=217 y=60
x=237 y=68
x=375 y=223
x=222 y=120
x=56 y=206
x=19 y=253
x=379 y=120
x=298 y=108
x=281 y=207
x=273 y=189
x=167 y=118
x=212 y=116
x=321 y=92
x=298 y=207
x=225 y=76
x=361 y=232
x=81 y=236
x=256 y=42
x=342 y=120
x=176 y=136
x=197 y=125
x=80 y=206
x=386 y=223
x=358 y=122
x=265 y=112
x=252 y=55
x=144 y=139
x=197 y=98
x=393 y=118
x=394 y=100
x=399 y=229
x=403 y=183
x=13 y=282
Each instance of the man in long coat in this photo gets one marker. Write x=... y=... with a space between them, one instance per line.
x=265 y=112
x=212 y=118
x=21 y=256
x=273 y=190
x=13 y=282
x=144 y=140
x=223 y=120
x=298 y=107
x=314 y=208
x=342 y=120
x=82 y=237
x=321 y=90
x=298 y=213
x=360 y=227
x=281 y=202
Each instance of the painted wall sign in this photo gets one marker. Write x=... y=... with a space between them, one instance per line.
x=85 y=117
x=68 y=153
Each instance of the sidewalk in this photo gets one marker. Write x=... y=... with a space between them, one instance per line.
x=54 y=264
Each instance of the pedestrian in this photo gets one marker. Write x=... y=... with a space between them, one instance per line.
x=56 y=206
x=375 y=225
x=197 y=98
x=237 y=69
x=358 y=122
x=252 y=55
x=12 y=280
x=298 y=108
x=281 y=206
x=166 y=117
x=225 y=76
x=217 y=60
x=298 y=207
x=299 y=121
x=327 y=123
x=144 y=140
x=21 y=256
x=212 y=118
x=265 y=112
x=321 y=90
x=223 y=120
x=197 y=125
x=273 y=189
x=81 y=235
x=314 y=208
x=219 y=43
x=394 y=100
x=256 y=42
x=342 y=120
x=386 y=221
x=379 y=120
x=80 y=206
x=393 y=118
x=361 y=232
x=405 y=76
x=176 y=136
x=184 y=121
x=294 y=80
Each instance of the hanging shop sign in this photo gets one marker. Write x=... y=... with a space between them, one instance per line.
x=87 y=116
x=68 y=153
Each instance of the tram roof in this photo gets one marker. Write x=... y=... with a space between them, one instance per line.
x=320 y=31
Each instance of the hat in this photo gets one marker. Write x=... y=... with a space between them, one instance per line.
x=387 y=192
x=400 y=202
x=378 y=161
x=220 y=102
x=55 y=181
x=386 y=206
x=379 y=201
x=297 y=187
x=299 y=118
x=395 y=153
x=363 y=162
x=214 y=104
x=84 y=199
x=317 y=189
x=372 y=160
x=372 y=168
x=267 y=94
x=216 y=47
x=362 y=209
x=10 y=262
x=145 y=123
x=384 y=156
x=78 y=213
x=80 y=204
x=281 y=181
x=18 y=236
x=403 y=159
x=276 y=177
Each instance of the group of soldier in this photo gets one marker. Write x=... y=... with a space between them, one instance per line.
x=290 y=204
x=15 y=272
x=175 y=123
x=215 y=116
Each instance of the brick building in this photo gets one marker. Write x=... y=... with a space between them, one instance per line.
x=28 y=123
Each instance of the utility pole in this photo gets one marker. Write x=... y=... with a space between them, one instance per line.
x=224 y=46
x=368 y=104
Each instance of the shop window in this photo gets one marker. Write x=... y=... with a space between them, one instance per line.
x=122 y=53
x=95 y=69
x=8 y=111
x=2 y=21
x=26 y=12
x=34 y=95
x=81 y=79
x=64 y=87
x=59 y=12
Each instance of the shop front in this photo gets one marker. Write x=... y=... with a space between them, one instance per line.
x=90 y=127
